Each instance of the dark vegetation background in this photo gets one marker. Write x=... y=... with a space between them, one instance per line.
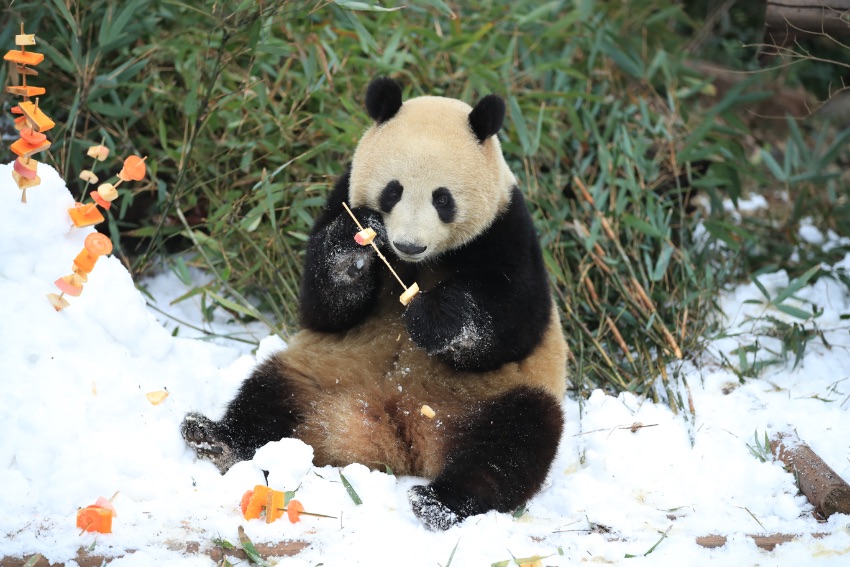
x=618 y=114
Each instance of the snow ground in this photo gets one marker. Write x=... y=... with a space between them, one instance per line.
x=75 y=424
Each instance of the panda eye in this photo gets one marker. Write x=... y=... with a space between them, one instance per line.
x=390 y=195
x=445 y=204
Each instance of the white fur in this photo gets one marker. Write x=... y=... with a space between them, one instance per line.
x=429 y=144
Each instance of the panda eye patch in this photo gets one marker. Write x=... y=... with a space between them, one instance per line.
x=445 y=204
x=390 y=195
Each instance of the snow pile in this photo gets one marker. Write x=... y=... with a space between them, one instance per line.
x=76 y=425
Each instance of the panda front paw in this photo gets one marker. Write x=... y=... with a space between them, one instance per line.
x=433 y=513
x=203 y=436
x=448 y=323
x=348 y=261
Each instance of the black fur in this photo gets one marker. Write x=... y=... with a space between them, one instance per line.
x=265 y=409
x=493 y=309
x=498 y=459
x=445 y=204
x=340 y=284
x=495 y=306
x=390 y=196
x=383 y=99
x=487 y=117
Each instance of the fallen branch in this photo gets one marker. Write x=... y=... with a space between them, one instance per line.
x=765 y=542
x=827 y=491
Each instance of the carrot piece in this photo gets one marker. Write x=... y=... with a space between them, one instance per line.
x=95 y=519
x=32 y=137
x=133 y=170
x=99 y=200
x=246 y=498
x=293 y=511
x=85 y=215
x=274 y=505
x=98 y=244
x=256 y=502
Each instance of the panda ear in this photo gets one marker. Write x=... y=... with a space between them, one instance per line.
x=383 y=99
x=487 y=117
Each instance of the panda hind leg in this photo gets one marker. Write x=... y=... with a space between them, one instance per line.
x=264 y=409
x=498 y=458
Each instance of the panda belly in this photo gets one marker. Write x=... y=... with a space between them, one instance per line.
x=361 y=393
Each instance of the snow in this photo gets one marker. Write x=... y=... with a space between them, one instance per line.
x=76 y=425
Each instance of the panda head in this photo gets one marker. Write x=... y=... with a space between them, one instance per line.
x=433 y=167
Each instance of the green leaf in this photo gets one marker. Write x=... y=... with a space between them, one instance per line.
x=504 y=563
x=796 y=285
x=662 y=263
x=351 y=492
x=773 y=165
x=249 y=549
x=794 y=311
x=364 y=7
x=31 y=562
x=232 y=305
x=642 y=226
x=452 y=556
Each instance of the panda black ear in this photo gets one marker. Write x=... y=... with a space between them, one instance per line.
x=487 y=117
x=383 y=99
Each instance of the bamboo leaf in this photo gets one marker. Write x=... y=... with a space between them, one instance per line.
x=350 y=489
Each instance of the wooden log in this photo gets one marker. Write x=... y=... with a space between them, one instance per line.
x=787 y=20
x=83 y=559
x=765 y=542
x=827 y=491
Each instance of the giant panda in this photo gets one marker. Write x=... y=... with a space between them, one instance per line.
x=481 y=344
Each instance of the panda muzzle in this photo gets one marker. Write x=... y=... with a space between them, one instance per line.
x=409 y=249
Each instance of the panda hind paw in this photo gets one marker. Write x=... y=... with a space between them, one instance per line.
x=200 y=434
x=430 y=510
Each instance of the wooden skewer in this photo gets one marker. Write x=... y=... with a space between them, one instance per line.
x=381 y=256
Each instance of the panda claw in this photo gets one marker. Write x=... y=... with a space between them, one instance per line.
x=435 y=515
x=200 y=434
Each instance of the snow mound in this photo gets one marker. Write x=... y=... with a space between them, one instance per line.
x=76 y=424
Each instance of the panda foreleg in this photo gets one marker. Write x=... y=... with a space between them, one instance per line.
x=265 y=409
x=340 y=283
x=497 y=458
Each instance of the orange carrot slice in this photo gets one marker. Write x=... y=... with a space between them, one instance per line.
x=99 y=200
x=32 y=137
x=256 y=502
x=98 y=244
x=293 y=511
x=95 y=519
x=246 y=499
x=133 y=170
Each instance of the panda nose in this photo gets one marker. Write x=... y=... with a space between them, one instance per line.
x=409 y=249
